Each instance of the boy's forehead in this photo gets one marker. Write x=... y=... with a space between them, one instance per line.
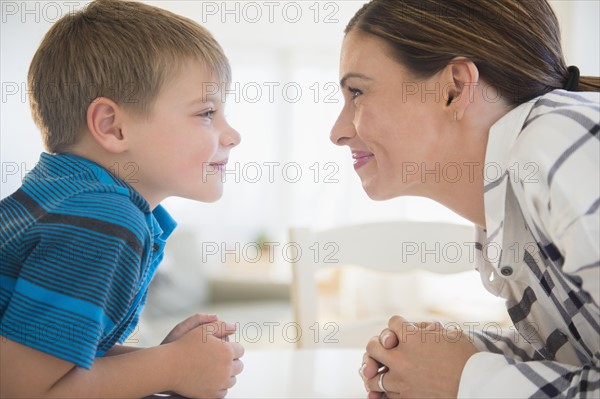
x=197 y=70
x=195 y=82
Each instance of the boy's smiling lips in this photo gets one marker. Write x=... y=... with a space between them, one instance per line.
x=219 y=165
x=223 y=162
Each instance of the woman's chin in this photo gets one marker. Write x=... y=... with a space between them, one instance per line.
x=377 y=193
x=382 y=192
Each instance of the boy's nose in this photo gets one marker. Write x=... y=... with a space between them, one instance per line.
x=231 y=137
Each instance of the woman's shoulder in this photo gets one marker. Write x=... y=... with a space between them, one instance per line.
x=560 y=126
x=555 y=158
x=561 y=108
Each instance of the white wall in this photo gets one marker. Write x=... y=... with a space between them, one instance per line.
x=269 y=43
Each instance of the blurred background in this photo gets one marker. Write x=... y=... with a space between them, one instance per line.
x=284 y=99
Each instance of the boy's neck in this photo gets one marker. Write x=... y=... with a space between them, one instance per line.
x=119 y=165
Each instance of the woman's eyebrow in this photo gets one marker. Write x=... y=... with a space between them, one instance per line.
x=352 y=75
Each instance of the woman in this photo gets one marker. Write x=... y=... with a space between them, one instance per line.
x=483 y=86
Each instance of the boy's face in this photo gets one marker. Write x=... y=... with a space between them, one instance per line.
x=182 y=147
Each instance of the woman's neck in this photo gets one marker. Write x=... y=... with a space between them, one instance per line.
x=465 y=195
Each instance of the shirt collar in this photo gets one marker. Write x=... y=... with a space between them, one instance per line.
x=61 y=165
x=164 y=224
x=502 y=137
x=64 y=165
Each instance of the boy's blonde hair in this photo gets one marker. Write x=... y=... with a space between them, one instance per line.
x=122 y=50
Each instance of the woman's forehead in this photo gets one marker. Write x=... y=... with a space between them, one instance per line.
x=363 y=53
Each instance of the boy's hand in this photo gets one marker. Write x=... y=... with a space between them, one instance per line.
x=209 y=362
x=187 y=325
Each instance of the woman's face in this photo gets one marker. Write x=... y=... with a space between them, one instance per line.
x=392 y=123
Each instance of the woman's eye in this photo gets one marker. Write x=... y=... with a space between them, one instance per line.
x=354 y=92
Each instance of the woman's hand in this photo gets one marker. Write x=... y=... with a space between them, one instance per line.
x=420 y=360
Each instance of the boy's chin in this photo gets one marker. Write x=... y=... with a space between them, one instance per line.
x=211 y=199
x=212 y=196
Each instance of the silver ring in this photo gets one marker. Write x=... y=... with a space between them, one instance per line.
x=380 y=383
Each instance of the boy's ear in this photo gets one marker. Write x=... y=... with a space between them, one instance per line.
x=461 y=76
x=104 y=124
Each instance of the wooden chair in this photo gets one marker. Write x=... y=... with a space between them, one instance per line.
x=395 y=247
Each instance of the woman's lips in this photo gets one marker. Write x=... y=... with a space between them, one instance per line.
x=361 y=158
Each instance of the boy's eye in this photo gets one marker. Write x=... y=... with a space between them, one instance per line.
x=208 y=114
x=354 y=92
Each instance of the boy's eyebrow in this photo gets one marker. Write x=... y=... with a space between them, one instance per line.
x=352 y=75
x=204 y=99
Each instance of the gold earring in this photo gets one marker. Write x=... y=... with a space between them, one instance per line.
x=455 y=116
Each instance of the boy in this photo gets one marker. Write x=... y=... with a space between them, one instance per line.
x=130 y=122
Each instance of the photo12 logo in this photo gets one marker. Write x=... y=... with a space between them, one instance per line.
x=271 y=172
x=38 y=11
x=271 y=92
x=253 y=252
x=253 y=12
x=289 y=332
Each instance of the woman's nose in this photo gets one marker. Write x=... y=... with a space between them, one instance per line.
x=343 y=129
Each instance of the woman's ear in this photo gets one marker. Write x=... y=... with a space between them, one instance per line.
x=104 y=124
x=461 y=76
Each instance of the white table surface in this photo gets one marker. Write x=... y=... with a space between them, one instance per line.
x=315 y=373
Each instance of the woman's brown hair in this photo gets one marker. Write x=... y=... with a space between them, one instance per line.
x=514 y=43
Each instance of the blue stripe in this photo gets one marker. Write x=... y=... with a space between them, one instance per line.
x=51 y=330
x=76 y=250
x=77 y=306
x=7 y=283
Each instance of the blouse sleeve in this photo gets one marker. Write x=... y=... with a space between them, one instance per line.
x=563 y=202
